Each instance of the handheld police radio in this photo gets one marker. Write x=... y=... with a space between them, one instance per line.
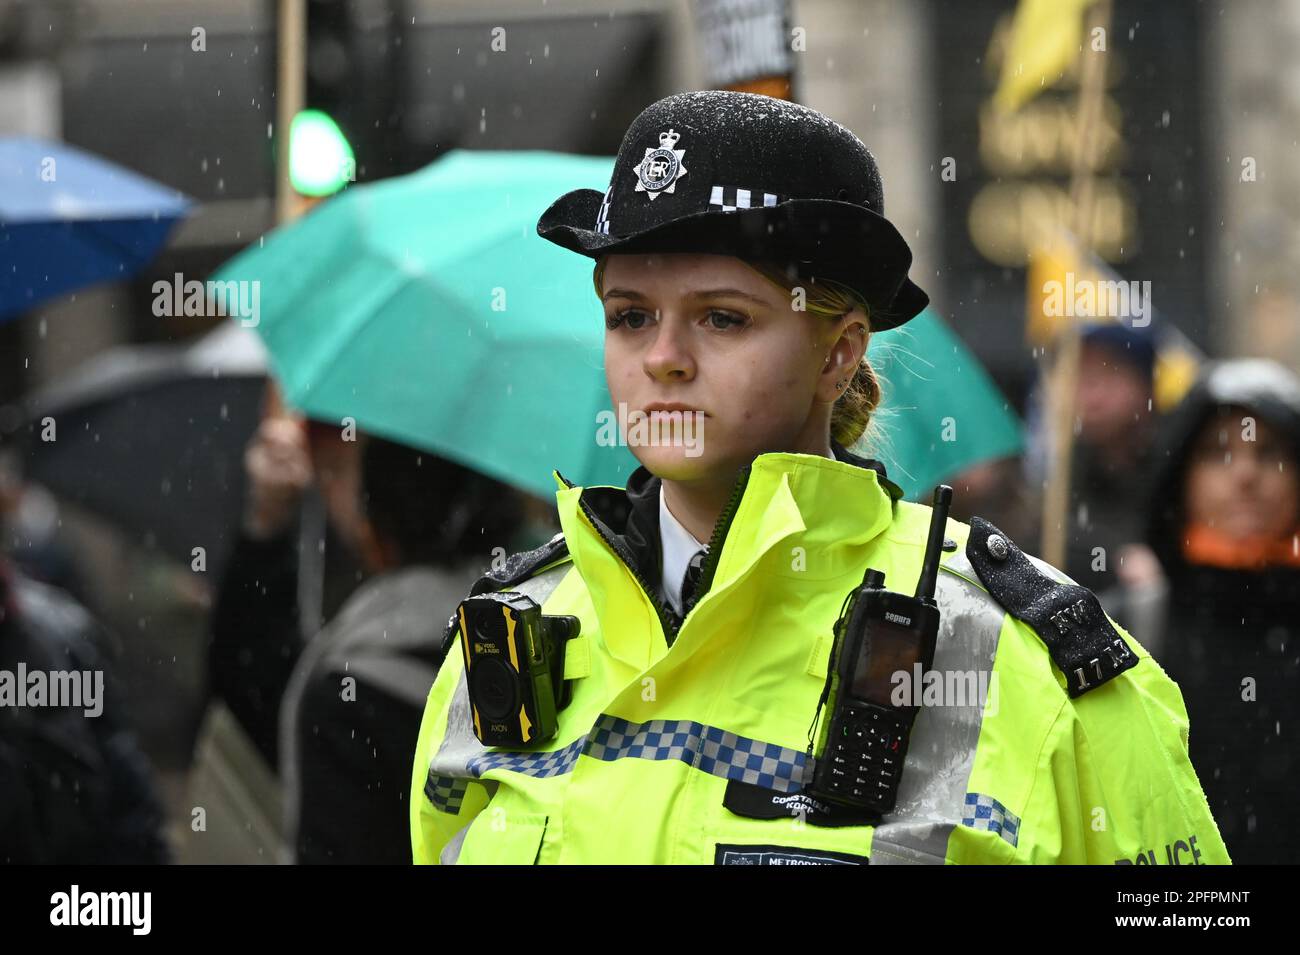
x=863 y=741
x=514 y=667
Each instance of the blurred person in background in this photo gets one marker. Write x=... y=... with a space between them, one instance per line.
x=1111 y=456
x=1115 y=425
x=351 y=712
x=1224 y=518
x=74 y=785
x=258 y=618
x=30 y=527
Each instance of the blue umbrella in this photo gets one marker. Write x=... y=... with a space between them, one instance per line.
x=69 y=219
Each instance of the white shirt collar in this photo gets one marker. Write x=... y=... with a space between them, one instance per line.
x=678 y=547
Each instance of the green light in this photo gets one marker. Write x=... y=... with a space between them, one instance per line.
x=320 y=158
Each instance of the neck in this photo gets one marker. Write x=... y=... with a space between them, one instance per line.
x=698 y=504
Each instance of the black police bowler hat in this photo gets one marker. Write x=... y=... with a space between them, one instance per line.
x=751 y=176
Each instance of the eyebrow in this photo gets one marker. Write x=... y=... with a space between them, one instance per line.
x=622 y=293
x=702 y=294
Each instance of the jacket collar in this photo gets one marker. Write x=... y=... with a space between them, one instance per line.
x=630 y=516
x=832 y=505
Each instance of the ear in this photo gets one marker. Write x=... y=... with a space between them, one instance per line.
x=846 y=353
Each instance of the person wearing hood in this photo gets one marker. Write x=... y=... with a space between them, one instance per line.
x=75 y=786
x=1225 y=525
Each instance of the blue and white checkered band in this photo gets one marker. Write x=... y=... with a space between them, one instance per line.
x=447 y=793
x=709 y=749
x=985 y=812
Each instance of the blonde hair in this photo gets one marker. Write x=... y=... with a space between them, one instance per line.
x=851 y=417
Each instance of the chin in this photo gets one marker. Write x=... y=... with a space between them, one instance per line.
x=681 y=463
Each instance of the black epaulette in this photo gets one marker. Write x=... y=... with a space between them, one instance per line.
x=521 y=566
x=516 y=568
x=1068 y=618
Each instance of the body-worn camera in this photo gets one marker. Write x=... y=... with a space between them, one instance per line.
x=514 y=667
x=858 y=755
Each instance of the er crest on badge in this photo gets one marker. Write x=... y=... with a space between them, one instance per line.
x=660 y=169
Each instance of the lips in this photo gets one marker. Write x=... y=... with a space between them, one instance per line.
x=670 y=406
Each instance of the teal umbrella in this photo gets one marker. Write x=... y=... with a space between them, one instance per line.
x=426 y=309
x=940 y=413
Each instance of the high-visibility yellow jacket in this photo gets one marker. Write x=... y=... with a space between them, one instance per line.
x=665 y=750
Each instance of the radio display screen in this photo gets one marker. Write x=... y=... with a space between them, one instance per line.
x=891 y=649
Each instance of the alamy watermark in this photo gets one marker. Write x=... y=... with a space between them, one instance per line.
x=1098 y=298
x=75 y=907
x=974 y=688
x=74 y=689
x=241 y=299
x=656 y=429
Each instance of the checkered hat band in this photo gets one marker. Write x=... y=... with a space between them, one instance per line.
x=985 y=812
x=707 y=748
x=602 y=217
x=731 y=198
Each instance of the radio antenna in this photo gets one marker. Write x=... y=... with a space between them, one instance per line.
x=934 y=545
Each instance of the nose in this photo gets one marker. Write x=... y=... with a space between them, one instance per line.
x=1246 y=466
x=669 y=357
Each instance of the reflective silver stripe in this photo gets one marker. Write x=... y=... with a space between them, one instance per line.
x=451 y=851
x=543 y=585
x=452 y=764
x=941 y=753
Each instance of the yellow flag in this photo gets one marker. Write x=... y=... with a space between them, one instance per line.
x=1044 y=41
x=1177 y=366
x=1056 y=270
x=1053 y=266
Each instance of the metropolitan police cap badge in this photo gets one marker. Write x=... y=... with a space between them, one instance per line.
x=660 y=169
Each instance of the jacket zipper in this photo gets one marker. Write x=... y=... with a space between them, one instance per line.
x=720 y=530
x=707 y=570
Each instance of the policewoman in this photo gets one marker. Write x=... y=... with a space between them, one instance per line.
x=742 y=260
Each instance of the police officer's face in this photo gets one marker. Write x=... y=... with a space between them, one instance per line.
x=710 y=338
x=1241 y=478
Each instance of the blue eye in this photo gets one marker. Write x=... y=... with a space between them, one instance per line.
x=728 y=320
x=628 y=315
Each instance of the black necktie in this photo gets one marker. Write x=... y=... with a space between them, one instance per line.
x=692 y=579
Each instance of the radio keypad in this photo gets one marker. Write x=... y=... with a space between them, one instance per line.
x=863 y=757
